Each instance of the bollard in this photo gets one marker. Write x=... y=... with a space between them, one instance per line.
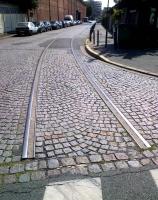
x=97 y=37
x=90 y=36
x=94 y=37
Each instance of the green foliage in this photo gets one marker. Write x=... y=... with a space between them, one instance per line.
x=117 y=13
x=88 y=8
x=25 y=5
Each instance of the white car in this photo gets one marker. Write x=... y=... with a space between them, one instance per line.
x=26 y=28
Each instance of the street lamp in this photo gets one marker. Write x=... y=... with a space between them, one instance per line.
x=106 y=36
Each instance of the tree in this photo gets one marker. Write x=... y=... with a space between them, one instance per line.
x=88 y=8
x=25 y=5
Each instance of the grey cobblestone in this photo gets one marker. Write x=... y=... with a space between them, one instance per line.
x=121 y=156
x=53 y=163
x=95 y=158
x=68 y=161
x=17 y=168
x=146 y=161
x=134 y=163
x=109 y=157
x=148 y=154
x=38 y=175
x=53 y=173
x=121 y=165
x=4 y=170
x=24 y=178
x=42 y=164
x=31 y=166
x=82 y=160
x=9 y=179
x=108 y=166
x=94 y=168
x=82 y=170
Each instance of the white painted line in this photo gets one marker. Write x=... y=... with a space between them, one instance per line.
x=85 y=189
x=154 y=174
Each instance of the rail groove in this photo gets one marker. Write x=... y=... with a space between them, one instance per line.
x=141 y=142
x=29 y=133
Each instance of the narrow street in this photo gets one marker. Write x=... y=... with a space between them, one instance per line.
x=73 y=129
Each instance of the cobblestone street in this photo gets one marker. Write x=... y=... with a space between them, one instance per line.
x=75 y=131
x=135 y=94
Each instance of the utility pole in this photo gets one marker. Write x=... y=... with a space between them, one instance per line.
x=106 y=36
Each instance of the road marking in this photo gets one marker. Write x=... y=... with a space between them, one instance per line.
x=154 y=174
x=84 y=189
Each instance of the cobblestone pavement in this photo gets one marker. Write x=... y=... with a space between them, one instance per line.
x=18 y=60
x=75 y=131
x=135 y=94
x=73 y=122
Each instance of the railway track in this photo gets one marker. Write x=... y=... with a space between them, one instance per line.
x=141 y=142
x=30 y=126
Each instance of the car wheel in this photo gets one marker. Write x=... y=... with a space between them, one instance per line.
x=30 y=33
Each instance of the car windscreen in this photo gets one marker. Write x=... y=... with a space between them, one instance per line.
x=36 y=23
x=67 y=18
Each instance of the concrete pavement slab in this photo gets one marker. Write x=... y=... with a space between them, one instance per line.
x=89 y=189
x=140 y=60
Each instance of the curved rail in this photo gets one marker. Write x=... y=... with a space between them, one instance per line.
x=29 y=133
x=141 y=142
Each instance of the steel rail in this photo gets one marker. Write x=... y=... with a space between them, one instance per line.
x=141 y=142
x=28 y=150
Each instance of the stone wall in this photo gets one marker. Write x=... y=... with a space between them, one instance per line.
x=57 y=9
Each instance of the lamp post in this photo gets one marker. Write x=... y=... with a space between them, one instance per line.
x=106 y=36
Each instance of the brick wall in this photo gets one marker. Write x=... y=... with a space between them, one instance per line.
x=57 y=9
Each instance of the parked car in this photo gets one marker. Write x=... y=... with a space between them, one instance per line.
x=26 y=28
x=79 y=22
x=60 y=24
x=40 y=25
x=69 y=19
x=55 y=25
x=64 y=24
x=48 y=26
x=67 y=23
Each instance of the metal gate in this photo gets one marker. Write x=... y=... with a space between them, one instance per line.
x=11 y=20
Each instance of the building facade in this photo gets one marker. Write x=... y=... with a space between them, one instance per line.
x=137 y=25
x=57 y=9
x=10 y=15
x=96 y=9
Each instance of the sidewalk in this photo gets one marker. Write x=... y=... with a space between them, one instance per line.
x=6 y=35
x=145 y=60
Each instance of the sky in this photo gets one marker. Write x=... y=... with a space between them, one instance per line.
x=104 y=3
